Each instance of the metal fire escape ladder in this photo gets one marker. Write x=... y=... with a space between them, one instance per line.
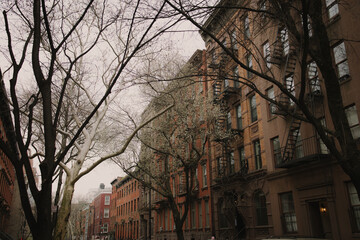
x=314 y=99
x=290 y=146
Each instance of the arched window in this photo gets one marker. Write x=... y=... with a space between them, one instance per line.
x=260 y=206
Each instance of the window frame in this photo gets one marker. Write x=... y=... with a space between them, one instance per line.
x=233 y=40
x=107 y=200
x=253 y=108
x=276 y=150
x=239 y=124
x=354 y=210
x=270 y=92
x=246 y=22
x=332 y=4
x=249 y=64
x=228 y=121
x=257 y=154
x=242 y=158
x=354 y=125
x=236 y=77
x=289 y=213
x=204 y=174
x=266 y=53
x=106 y=213
x=341 y=58
x=231 y=162
x=260 y=208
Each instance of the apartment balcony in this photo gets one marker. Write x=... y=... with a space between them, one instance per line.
x=306 y=151
x=229 y=173
x=230 y=91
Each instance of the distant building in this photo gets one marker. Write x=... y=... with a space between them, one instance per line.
x=7 y=175
x=126 y=193
x=99 y=217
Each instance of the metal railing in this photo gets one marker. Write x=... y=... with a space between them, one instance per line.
x=304 y=148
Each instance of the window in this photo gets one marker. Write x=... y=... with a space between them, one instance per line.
x=228 y=121
x=246 y=27
x=284 y=36
x=266 y=54
x=262 y=8
x=106 y=212
x=332 y=8
x=253 y=113
x=242 y=159
x=314 y=80
x=200 y=214
x=193 y=216
x=233 y=40
x=288 y=212
x=204 y=175
x=355 y=207
x=207 y=214
x=231 y=162
x=272 y=107
x=352 y=117
x=181 y=184
x=257 y=155
x=107 y=200
x=249 y=64
x=261 y=210
x=236 y=77
x=341 y=63
x=275 y=142
x=196 y=182
x=238 y=117
x=226 y=82
x=105 y=228
x=166 y=219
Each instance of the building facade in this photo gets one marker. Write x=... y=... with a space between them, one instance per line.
x=100 y=217
x=274 y=176
x=126 y=193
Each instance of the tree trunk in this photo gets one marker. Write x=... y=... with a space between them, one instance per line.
x=64 y=211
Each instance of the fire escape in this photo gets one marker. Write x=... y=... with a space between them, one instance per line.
x=223 y=91
x=284 y=56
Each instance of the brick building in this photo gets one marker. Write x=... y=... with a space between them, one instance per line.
x=7 y=180
x=100 y=216
x=185 y=173
x=273 y=176
x=126 y=193
x=7 y=175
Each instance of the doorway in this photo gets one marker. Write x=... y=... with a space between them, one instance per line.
x=319 y=219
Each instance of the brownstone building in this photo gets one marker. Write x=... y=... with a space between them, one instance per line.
x=273 y=176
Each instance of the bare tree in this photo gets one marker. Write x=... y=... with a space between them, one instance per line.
x=58 y=47
x=175 y=146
